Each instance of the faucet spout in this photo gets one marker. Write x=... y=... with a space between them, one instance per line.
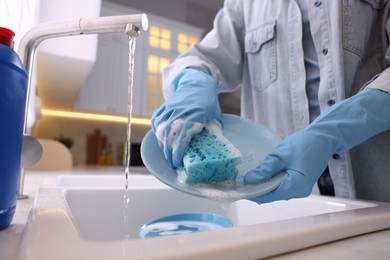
x=128 y=24
x=55 y=29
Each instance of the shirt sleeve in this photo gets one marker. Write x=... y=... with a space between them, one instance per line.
x=381 y=81
x=219 y=52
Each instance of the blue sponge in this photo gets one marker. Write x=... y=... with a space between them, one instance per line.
x=210 y=157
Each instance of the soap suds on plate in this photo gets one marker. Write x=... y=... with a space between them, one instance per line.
x=174 y=131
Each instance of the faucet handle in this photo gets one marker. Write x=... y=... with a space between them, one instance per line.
x=31 y=151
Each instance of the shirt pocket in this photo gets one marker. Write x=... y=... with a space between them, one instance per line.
x=260 y=51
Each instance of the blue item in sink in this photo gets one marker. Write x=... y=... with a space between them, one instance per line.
x=184 y=223
x=13 y=88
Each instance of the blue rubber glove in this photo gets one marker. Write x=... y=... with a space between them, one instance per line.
x=185 y=113
x=305 y=154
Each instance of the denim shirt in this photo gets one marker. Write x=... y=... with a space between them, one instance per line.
x=257 y=46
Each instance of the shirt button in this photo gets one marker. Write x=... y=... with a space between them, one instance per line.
x=317 y=3
x=335 y=156
x=254 y=46
x=325 y=51
x=331 y=102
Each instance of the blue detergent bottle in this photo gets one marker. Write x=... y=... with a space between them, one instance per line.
x=13 y=89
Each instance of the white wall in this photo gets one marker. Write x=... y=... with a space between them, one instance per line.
x=19 y=16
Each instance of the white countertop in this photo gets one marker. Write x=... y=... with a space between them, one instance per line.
x=370 y=246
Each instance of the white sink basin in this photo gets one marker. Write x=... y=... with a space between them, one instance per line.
x=105 y=181
x=83 y=218
x=99 y=214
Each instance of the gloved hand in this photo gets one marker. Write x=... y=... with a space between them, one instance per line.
x=185 y=113
x=304 y=155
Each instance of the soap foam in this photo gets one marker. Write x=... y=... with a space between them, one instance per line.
x=195 y=129
x=174 y=131
x=160 y=131
x=220 y=192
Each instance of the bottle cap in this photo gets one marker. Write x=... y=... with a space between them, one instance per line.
x=7 y=37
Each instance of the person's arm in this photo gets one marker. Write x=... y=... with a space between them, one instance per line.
x=304 y=155
x=192 y=82
x=220 y=52
x=185 y=113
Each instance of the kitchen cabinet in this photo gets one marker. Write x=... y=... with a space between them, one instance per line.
x=62 y=64
x=106 y=90
x=107 y=85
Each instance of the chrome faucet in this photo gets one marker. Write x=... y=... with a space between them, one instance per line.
x=128 y=24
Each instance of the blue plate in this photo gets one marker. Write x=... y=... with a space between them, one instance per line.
x=184 y=223
x=254 y=141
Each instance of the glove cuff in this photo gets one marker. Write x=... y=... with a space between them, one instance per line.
x=354 y=120
x=192 y=77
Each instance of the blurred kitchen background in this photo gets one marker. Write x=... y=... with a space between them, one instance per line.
x=81 y=82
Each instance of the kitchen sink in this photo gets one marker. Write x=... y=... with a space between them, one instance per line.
x=85 y=216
